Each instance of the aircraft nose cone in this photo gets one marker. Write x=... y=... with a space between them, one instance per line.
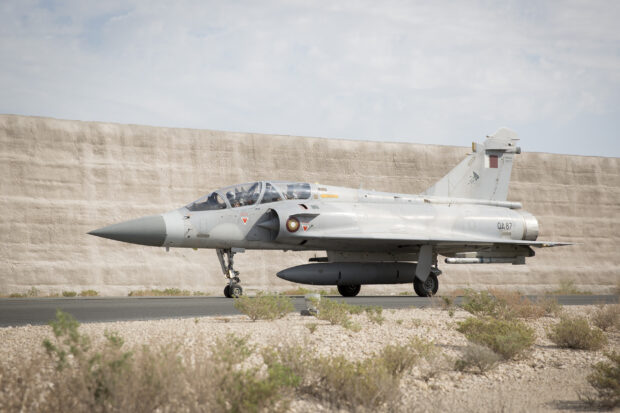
x=149 y=230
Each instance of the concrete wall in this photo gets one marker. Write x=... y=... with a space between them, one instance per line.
x=62 y=178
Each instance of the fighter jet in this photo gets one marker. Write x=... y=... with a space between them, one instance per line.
x=368 y=237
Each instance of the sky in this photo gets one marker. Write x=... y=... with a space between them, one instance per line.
x=439 y=72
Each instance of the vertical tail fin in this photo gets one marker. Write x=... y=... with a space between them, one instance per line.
x=485 y=173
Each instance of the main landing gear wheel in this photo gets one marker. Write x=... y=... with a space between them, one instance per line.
x=349 y=290
x=235 y=290
x=426 y=288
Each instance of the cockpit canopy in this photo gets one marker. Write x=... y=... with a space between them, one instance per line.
x=251 y=193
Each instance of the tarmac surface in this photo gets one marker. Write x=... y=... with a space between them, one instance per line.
x=24 y=311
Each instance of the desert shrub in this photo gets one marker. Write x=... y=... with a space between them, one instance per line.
x=515 y=304
x=69 y=293
x=246 y=389
x=33 y=292
x=398 y=358
x=605 y=379
x=551 y=306
x=607 y=316
x=478 y=358
x=297 y=291
x=312 y=327
x=501 y=304
x=349 y=384
x=375 y=314
x=481 y=303
x=174 y=292
x=575 y=332
x=17 y=295
x=109 y=378
x=507 y=338
x=334 y=311
x=568 y=287
x=200 y=294
x=89 y=293
x=447 y=303
x=264 y=306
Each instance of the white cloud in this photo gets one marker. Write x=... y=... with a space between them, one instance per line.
x=442 y=72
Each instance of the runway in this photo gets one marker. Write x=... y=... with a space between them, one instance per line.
x=20 y=311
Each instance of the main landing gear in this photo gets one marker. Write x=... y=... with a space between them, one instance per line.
x=426 y=288
x=233 y=289
x=349 y=290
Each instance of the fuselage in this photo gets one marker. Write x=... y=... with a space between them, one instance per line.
x=326 y=215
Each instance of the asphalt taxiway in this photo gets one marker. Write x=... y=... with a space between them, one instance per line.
x=23 y=311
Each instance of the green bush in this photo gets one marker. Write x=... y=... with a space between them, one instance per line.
x=69 y=293
x=568 y=287
x=399 y=358
x=575 y=332
x=246 y=389
x=508 y=338
x=481 y=303
x=501 y=304
x=264 y=306
x=551 y=306
x=173 y=292
x=108 y=378
x=89 y=293
x=477 y=357
x=605 y=378
x=333 y=311
x=350 y=384
x=607 y=316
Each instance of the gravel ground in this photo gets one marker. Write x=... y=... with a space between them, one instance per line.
x=547 y=379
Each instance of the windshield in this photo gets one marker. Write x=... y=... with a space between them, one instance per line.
x=271 y=194
x=294 y=190
x=209 y=202
x=243 y=194
x=248 y=194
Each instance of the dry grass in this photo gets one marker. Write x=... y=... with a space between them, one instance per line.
x=304 y=291
x=477 y=358
x=605 y=380
x=568 y=287
x=507 y=338
x=575 y=332
x=607 y=316
x=264 y=306
x=81 y=374
x=167 y=292
x=507 y=305
x=515 y=304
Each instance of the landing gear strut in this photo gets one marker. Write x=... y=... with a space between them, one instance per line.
x=233 y=289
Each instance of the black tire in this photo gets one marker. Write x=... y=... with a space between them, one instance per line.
x=416 y=288
x=236 y=291
x=428 y=287
x=227 y=292
x=349 y=290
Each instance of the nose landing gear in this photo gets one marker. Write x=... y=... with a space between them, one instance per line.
x=233 y=289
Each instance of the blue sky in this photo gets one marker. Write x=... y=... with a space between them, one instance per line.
x=402 y=71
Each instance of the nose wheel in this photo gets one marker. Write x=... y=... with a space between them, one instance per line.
x=225 y=256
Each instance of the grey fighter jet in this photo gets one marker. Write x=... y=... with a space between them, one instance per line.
x=368 y=237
